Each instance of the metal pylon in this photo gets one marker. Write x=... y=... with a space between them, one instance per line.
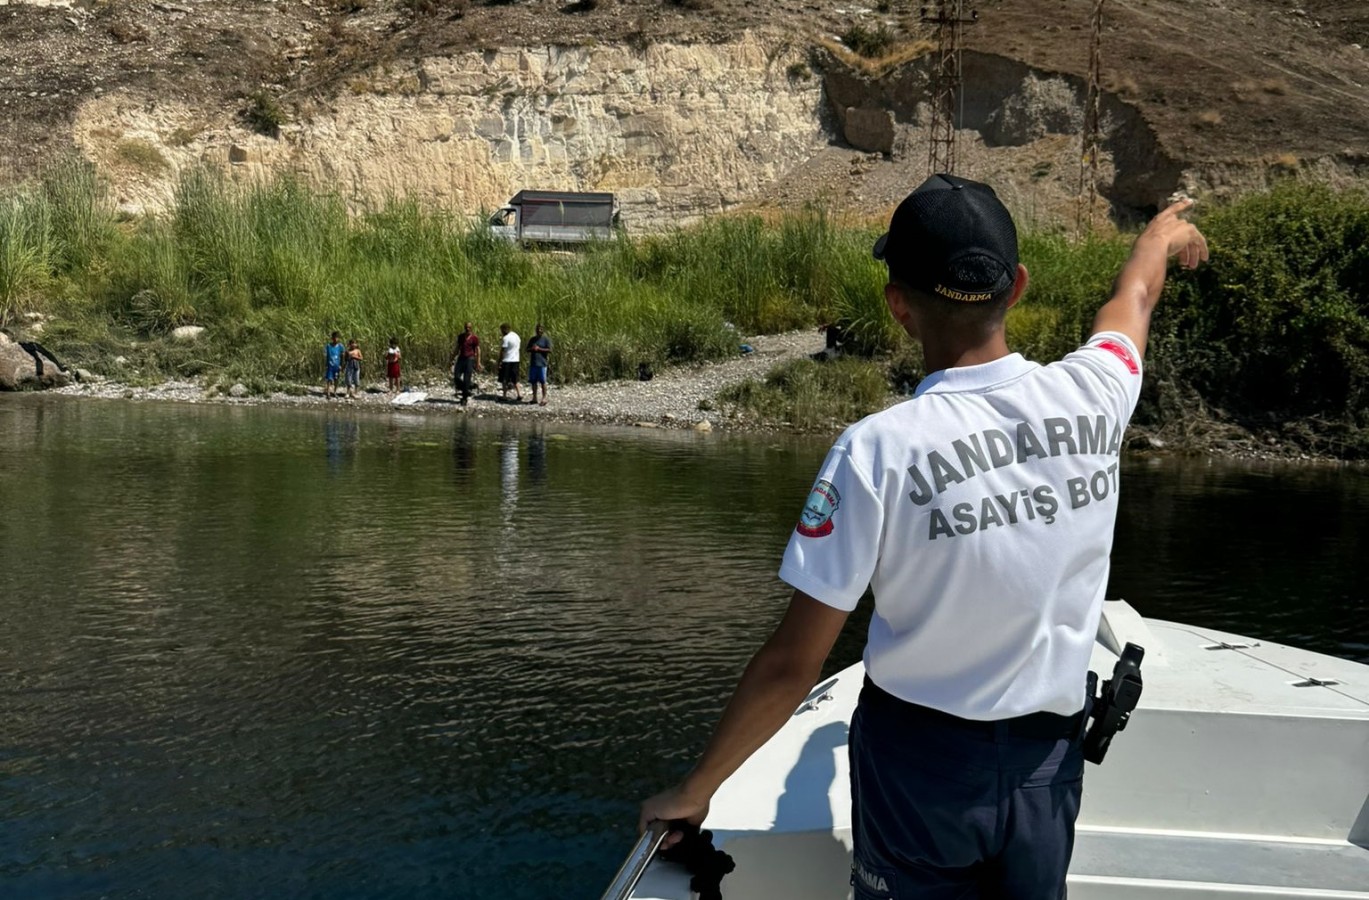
x=1088 y=163
x=947 y=79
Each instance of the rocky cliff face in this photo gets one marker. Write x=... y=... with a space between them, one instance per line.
x=685 y=109
x=676 y=131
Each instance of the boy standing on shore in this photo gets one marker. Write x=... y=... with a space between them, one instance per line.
x=332 y=364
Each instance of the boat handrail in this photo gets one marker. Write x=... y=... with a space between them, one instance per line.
x=1120 y=625
x=635 y=864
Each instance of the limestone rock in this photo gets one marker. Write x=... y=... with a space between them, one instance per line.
x=677 y=131
x=238 y=390
x=1039 y=106
x=870 y=129
x=703 y=426
x=187 y=333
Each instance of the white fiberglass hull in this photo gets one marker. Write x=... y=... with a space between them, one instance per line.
x=1244 y=773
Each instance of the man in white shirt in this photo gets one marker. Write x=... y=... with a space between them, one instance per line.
x=508 y=362
x=980 y=513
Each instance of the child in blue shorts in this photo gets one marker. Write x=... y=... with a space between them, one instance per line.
x=332 y=359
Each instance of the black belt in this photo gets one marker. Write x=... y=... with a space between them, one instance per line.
x=1040 y=725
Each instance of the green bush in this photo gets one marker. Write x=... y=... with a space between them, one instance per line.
x=263 y=113
x=1278 y=321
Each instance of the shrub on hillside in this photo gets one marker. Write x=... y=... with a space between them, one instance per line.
x=871 y=43
x=264 y=114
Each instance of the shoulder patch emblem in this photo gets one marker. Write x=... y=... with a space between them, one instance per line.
x=1122 y=353
x=816 y=518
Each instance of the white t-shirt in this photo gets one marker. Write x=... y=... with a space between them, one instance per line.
x=508 y=346
x=981 y=514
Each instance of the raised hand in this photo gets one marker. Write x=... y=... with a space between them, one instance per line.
x=1181 y=237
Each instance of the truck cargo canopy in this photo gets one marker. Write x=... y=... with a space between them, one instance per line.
x=564 y=208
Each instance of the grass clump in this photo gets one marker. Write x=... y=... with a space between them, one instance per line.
x=810 y=396
x=140 y=156
x=870 y=43
x=26 y=253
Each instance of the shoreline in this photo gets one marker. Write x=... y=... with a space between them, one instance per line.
x=671 y=400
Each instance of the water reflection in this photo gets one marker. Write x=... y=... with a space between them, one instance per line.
x=463 y=449
x=537 y=456
x=508 y=476
x=462 y=687
x=340 y=438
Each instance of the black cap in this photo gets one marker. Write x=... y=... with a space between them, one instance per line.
x=952 y=237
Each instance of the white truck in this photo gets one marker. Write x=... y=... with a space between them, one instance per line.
x=557 y=217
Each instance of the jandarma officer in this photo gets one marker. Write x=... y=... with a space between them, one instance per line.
x=980 y=512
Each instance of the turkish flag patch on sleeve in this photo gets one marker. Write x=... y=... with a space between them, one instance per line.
x=1121 y=352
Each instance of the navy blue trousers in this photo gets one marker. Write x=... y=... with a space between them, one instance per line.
x=462 y=375
x=945 y=809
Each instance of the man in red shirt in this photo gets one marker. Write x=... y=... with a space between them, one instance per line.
x=465 y=361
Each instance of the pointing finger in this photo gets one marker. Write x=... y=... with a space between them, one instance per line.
x=1179 y=206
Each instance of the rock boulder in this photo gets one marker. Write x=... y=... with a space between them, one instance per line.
x=27 y=365
x=18 y=371
x=870 y=129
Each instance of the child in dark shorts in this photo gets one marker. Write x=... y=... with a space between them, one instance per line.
x=351 y=369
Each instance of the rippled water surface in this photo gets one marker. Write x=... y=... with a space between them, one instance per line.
x=265 y=653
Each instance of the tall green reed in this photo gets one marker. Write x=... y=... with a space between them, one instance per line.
x=1278 y=320
x=26 y=252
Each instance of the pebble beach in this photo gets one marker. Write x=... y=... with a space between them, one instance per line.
x=671 y=399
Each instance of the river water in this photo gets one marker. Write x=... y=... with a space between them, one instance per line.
x=252 y=652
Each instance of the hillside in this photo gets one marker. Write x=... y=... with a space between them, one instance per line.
x=685 y=107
